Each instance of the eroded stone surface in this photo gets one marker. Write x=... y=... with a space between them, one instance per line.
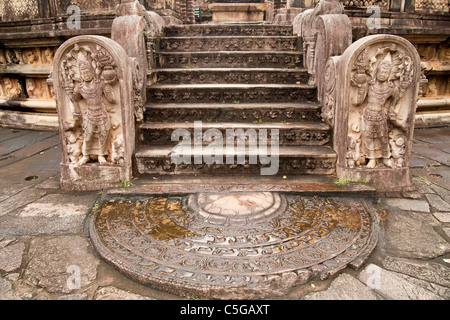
x=396 y=286
x=113 y=293
x=437 y=202
x=345 y=287
x=78 y=296
x=431 y=272
x=411 y=235
x=11 y=257
x=408 y=204
x=53 y=261
x=21 y=199
x=443 y=217
x=5 y=287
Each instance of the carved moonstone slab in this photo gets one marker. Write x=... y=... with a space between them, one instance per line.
x=377 y=85
x=92 y=77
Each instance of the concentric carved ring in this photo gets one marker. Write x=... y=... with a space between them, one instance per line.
x=235 y=245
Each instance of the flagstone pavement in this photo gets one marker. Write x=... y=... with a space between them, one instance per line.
x=46 y=254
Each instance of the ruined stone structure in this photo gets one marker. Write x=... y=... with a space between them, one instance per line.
x=26 y=48
x=128 y=94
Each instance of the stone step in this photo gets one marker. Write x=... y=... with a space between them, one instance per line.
x=234 y=43
x=231 y=59
x=231 y=93
x=227 y=30
x=313 y=185
x=156 y=160
x=290 y=134
x=242 y=112
x=230 y=75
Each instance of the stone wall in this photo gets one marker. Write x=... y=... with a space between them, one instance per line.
x=30 y=33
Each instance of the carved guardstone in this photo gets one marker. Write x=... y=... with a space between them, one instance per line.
x=325 y=32
x=376 y=90
x=92 y=79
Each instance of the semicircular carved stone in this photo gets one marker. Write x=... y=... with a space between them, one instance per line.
x=377 y=85
x=92 y=79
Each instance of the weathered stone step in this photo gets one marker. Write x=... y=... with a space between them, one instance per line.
x=232 y=93
x=290 y=134
x=242 y=112
x=313 y=185
x=235 y=43
x=231 y=59
x=230 y=75
x=156 y=160
x=227 y=30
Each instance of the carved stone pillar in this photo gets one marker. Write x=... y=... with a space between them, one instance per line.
x=325 y=32
x=93 y=83
x=377 y=82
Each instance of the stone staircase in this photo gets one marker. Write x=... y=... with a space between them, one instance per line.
x=233 y=77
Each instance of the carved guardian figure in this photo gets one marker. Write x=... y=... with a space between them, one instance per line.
x=93 y=83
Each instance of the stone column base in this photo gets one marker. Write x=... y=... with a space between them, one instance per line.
x=385 y=179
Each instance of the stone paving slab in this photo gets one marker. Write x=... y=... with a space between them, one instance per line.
x=43 y=232
x=61 y=264
x=54 y=214
x=413 y=235
x=7 y=133
x=14 y=175
x=23 y=142
x=396 y=286
x=408 y=204
x=11 y=257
